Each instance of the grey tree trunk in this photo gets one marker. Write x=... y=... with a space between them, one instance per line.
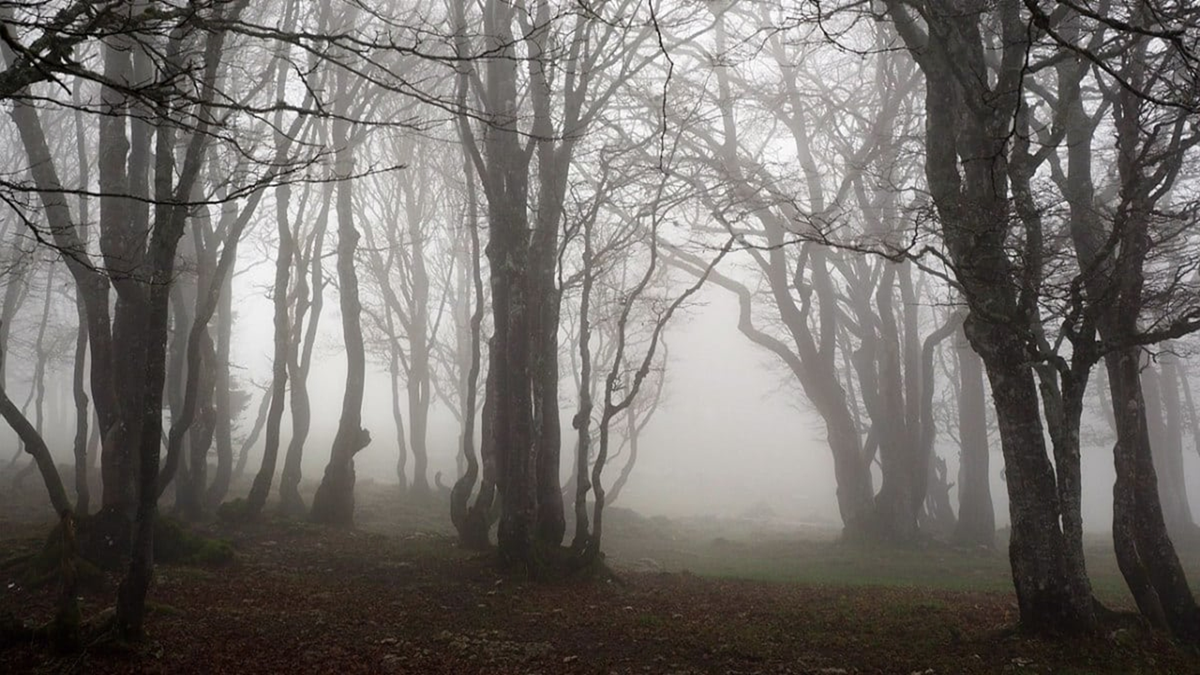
x=260 y=420
x=310 y=300
x=976 y=516
x=223 y=430
x=1164 y=410
x=333 y=503
x=261 y=487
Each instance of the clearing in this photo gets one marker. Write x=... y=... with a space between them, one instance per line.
x=733 y=596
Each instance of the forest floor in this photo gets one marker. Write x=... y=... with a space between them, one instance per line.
x=713 y=596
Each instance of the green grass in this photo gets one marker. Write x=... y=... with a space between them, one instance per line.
x=740 y=551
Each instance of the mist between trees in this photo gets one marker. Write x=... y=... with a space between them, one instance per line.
x=961 y=238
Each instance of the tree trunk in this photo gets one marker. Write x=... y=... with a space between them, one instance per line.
x=333 y=503
x=35 y=446
x=968 y=130
x=223 y=430
x=897 y=503
x=260 y=419
x=976 y=516
x=472 y=528
x=478 y=520
x=1164 y=412
x=79 y=372
x=310 y=300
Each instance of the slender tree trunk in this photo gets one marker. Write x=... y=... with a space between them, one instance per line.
x=79 y=391
x=582 y=421
x=398 y=418
x=976 y=516
x=170 y=218
x=472 y=529
x=943 y=514
x=290 y=501
x=260 y=419
x=35 y=446
x=311 y=300
x=261 y=488
x=79 y=372
x=223 y=429
x=333 y=503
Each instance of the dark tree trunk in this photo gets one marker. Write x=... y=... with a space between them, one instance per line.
x=79 y=372
x=82 y=412
x=506 y=183
x=261 y=487
x=1144 y=551
x=968 y=129
x=478 y=520
x=170 y=218
x=582 y=421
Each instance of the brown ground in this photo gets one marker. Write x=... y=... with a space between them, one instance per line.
x=304 y=599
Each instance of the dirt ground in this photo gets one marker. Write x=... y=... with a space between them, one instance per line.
x=398 y=596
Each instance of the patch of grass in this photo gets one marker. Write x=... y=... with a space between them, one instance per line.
x=162 y=609
x=649 y=620
x=233 y=511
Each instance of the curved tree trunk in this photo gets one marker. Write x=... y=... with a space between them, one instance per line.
x=333 y=504
x=260 y=420
x=261 y=488
x=310 y=300
x=35 y=446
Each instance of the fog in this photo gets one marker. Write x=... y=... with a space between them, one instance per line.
x=733 y=433
x=901 y=296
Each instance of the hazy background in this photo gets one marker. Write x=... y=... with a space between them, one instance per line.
x=733 y=431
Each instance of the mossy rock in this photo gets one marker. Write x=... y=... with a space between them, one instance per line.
x=233 y=511
x=174 y=544
x=45 y=567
